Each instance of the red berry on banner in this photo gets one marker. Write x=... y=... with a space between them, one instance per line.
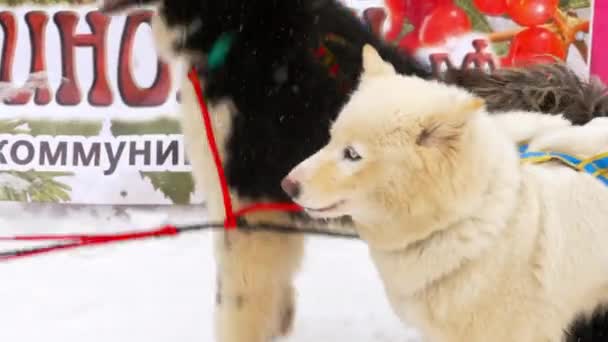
x=538 y=40
x=491 y=7
x=442 y=23
x=418 y=10
x=397 y=14
x=506 y=61
x=531 y=12
x=524 y=60
x=535 y=45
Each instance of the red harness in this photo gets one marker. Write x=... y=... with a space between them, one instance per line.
x=231 y=216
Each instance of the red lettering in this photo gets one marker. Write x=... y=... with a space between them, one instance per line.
x=9 y=27
x=438 y=60
x=36 y=21
x=479 y=58
x=375 y=17
x=69 y=92
x=37 y=82
x=132 y=94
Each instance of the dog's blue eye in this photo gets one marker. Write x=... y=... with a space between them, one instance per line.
x=350 y=154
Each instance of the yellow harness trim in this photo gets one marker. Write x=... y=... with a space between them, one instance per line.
x=596 y=166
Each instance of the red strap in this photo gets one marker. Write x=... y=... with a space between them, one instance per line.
x=230 y=222
x=75 y=240
x=231 y=216
x=163 y=231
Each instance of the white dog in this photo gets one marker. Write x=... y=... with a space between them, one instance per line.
x=472 y=245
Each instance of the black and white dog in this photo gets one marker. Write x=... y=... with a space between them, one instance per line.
x=290 y=66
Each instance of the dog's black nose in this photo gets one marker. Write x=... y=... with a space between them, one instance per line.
x=291 y=187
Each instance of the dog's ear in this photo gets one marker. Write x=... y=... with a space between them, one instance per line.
x=444 y=129
x=373 y=64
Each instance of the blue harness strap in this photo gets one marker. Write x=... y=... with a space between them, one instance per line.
x=597 y=166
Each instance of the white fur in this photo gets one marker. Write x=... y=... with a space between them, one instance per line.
x=472 y=246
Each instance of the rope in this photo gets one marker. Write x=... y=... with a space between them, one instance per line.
x=73 y=241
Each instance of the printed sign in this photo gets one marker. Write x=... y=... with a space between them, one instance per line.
x=89 y=114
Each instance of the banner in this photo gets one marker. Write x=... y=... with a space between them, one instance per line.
x=89 y=113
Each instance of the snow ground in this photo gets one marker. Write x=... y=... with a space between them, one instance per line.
x=163 y=290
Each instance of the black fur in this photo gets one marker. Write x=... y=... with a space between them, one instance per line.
x=590 y=328
x=286 y=98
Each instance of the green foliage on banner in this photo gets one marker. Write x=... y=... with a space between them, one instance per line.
x=478 y=20
x=574 y=4
x=34 y=187
x=158 y=126
x=50 y=127
x=71 y=127
x=176 y=186
x=501 y=48
x=10 y=126
x=31 y=185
